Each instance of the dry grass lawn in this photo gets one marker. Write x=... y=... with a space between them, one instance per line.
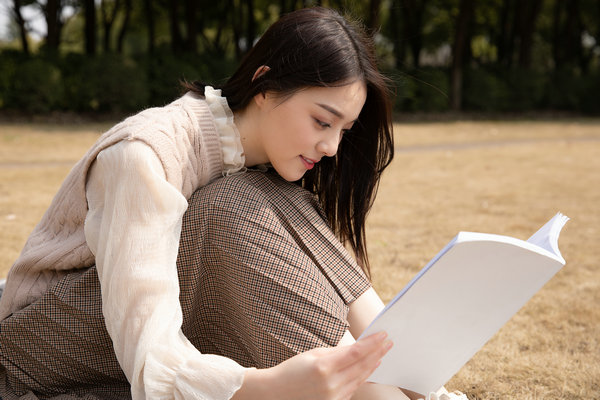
x=504 y=177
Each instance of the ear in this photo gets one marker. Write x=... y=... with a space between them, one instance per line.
x=263 y=69
x=260 y=98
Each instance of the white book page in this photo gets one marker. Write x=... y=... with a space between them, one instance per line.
x=547 y=236
x=457 y=302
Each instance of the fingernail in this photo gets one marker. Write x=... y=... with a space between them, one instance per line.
x=388 y=344
x=381 y=335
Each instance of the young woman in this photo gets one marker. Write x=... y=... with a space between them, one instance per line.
x=98 y=293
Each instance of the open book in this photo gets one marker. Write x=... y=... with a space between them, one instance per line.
x=459 y=300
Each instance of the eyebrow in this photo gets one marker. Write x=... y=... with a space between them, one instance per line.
x=333 y=111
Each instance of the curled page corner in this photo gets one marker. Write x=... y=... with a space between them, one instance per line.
x=547 y=236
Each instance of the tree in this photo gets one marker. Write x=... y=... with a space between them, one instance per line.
x=149 y=13
x=124 y=26
x=108 y=11
x=176 y=38
x=191 y=22
x=89 y=8
x=517 y=26
x=568 y=29
x=250 y=23
x=373 y=21
x=18 y=18
x=505 y=38
x=52 y=10
x=397 y=39
x=526 y=15
x=412 y=23
x=462 y=40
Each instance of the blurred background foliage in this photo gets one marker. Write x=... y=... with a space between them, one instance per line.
x=118 y=56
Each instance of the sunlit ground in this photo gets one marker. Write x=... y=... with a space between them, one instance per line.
x=504 y=177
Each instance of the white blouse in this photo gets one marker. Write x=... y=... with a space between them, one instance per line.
x=133 y=227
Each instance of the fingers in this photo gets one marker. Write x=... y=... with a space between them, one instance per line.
x=355 y=363
x=364 y=366
x=329 y=373
x=367 y=349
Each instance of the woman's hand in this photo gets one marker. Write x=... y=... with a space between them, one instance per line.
x=324 y=373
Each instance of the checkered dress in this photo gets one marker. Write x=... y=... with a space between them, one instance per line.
x=262 y=278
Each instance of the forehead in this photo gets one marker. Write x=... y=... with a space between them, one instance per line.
x=347 y=99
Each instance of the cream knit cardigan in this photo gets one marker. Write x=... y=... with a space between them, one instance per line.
x=183 y=135
x=179 y=147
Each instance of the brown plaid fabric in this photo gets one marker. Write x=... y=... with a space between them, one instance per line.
x=262 y=278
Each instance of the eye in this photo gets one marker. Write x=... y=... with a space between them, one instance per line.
x=322 y=124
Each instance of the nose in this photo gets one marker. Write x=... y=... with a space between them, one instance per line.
x=328 y=145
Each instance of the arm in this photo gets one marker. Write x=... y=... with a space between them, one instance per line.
x=136 y=266
x=323 y=373
x=133 y=227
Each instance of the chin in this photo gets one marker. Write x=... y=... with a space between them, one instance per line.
x=291 y=176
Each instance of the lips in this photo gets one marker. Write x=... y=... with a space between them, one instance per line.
x=308 y=163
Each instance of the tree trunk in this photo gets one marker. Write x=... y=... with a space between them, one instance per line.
x=176 y=40
x=461 y=44
x=374 y=7
x=191 y=44
x=398 y=40
x=219 y=49
x=412 y=21
x=573 y=31
x=282 y=7
x=52 y=11
x=236 y=18
x=18 y=17
x=124 y=26
x=567 y=48
x=89 y=8
x=557 y=39
x=251 y=24
x=108 y=20
x=527 y=21
x=150 y=25
x=504 y=37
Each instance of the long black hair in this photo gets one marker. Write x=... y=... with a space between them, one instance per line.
x=318 y=47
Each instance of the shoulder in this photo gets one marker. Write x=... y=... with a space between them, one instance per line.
x=128 y=152
x=233 y=191
x=254 y=189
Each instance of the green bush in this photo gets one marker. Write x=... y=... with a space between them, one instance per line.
x=526 y=89
x=109 y=83
x=78 y=88
x=500 y=89
x=571 y=91
x=588 y=96
x=165 y=71
x=9 y=63
x=432 y=90
x=485 y=90
x=117 y=84
x=36 y=86
x=424 y=90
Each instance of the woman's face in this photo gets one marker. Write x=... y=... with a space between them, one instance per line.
x=296 y=132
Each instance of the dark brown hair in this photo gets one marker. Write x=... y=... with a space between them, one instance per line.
x=318 y=47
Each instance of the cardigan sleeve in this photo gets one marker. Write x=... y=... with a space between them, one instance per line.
x=133 y=227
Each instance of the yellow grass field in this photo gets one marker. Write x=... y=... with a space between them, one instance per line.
x=504 y=177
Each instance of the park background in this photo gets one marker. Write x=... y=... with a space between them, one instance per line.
x=121 y=55
x=496 y=130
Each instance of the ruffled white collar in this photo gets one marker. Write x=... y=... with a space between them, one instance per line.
x=231 y=145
